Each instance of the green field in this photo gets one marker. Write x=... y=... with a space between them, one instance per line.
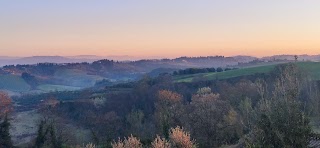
x=50 y=88
x=312 y=68
x=13 y=83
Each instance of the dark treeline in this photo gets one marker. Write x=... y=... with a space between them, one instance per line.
x=267 y=110
x=200 y=70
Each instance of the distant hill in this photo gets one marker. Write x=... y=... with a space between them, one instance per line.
x=182 y=61
x=178 y=62
x=57 y=73
x=244 y=59
x=41 y=59
x=5 y=60
x=304 y=57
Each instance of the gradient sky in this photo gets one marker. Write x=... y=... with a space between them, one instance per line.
x=167 y=28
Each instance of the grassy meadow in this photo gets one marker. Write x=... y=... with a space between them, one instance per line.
x=312 y=68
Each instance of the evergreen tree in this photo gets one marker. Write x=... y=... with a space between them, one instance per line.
x=5 y=138
x=41 y=136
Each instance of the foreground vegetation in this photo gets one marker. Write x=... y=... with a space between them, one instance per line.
x=270 y=110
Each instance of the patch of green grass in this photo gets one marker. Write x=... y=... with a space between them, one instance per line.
x=312 y=68
x=13 y=83
x=226 y=74
x=49 y=88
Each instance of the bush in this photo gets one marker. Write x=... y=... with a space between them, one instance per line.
x=219 y=69
x=160 y=143
x=180 y=138
x=130 y=142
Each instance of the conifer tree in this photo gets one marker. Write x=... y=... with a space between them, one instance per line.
x=5 y=138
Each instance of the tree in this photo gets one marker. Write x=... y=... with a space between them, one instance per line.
x=30 y=79
x=295 y=58
x=90 y=145
x=219 y=69
x=5 y=138
x=5 y=109
x=211 y=120
x=181 y=139
x=282 y=121
x=246 y=112
x=227 y=69
x=47 y=135
x=211 y=69
x=41 y=135
x=160 y=143
x=130 y=142
x=168 y=110
x=135 y=122
x=5 y=104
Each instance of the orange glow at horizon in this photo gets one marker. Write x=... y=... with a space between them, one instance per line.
x=149 y=29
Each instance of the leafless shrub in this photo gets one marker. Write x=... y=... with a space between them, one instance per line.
x=90 y=145
x=160 y=143
x=180 y=138
x=130 y=142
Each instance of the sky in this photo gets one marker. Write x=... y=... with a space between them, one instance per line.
x=162 y=28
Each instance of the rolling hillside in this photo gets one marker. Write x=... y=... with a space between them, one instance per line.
x=13 y=83
x=313 y=68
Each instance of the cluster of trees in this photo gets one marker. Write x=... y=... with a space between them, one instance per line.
x=200 y=70
x=30 y=79
x=178 y=138
x=49 y=69
x=195 y=71
x=271 y=111
x=105 y=67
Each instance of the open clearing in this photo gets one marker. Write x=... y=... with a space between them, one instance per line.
x=24 y=126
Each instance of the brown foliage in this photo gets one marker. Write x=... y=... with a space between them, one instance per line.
x=160 y=143
x=168 y=110
x=169 y=96
x=180 y=138
x=130 y=142
x=5 y=104
x=212 y=121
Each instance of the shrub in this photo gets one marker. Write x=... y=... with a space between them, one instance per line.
x=160 y=143
x=90 y=145
x=180 y=138
x=130 y=142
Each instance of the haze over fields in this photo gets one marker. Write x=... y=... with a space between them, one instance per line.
x=159 y=74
